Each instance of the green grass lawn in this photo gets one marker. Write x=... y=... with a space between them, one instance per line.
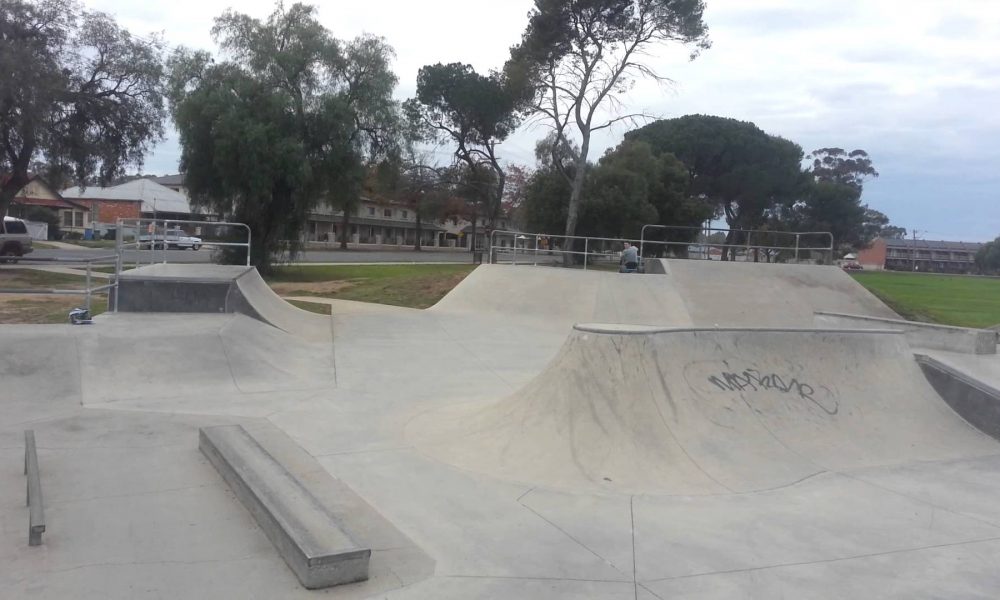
x=42 y=308
x=947 y=299
x=415 y=286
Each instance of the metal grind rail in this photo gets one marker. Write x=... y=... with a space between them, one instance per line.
x=89 y=288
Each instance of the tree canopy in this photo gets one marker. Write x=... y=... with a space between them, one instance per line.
x=473 y=112
x=78 y=94
x=293 y=118
x=577 y=58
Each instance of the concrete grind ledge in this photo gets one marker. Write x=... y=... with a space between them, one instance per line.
x=924 y=335
x=303 y=531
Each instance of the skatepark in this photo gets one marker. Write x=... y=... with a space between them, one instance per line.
x=703 y=430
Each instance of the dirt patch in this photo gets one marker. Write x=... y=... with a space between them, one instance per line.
x=314 y=288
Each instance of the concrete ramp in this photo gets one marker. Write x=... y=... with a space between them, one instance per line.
x=739 y=294
x=705 y=411
x=562 y=297
x=195 y=288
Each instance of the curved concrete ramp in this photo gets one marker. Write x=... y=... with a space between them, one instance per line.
x=697 y=411
x=739 y=294
x=562 y=297
x=263 y=303
x=199 y=288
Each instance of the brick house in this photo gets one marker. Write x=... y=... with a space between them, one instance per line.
x=139 y=198
x=928 y=256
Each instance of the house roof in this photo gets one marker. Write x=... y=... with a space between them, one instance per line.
x=154 y=197
x=176 y=179
x=933 y=245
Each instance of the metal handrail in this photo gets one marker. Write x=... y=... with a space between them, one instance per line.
x=88 y=291
x=748 y=246
x=586 y=253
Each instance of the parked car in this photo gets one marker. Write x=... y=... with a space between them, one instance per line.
x=173 y=239
x=14 y=240
x=852 y=267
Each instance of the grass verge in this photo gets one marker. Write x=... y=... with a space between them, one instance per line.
x=414 y=286
x=313 y=307
x=959 y=300
x=30 y=308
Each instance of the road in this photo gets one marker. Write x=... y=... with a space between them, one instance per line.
x=315 y=256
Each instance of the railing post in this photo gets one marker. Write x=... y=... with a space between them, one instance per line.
x=513 y=241
x=88 y=287
x=797 y=247
x=586 y=252
x=536 y=250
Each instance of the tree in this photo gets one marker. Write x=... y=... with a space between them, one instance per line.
x=474 y=112
x=835 y=165
x=577 y=58
x=876 y=224
x=76 y=91
x=666 y=183
x=988 y=257
x=294 y=118
x=738 y=169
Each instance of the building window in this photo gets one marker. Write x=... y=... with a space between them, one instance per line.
x=72 y=218
x=371 y=211
x=387 y=212
x=67 y=218
x=406 y=214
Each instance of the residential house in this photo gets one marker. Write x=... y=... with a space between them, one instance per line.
x=139 y=198
x=931 y=256
x=73 y=216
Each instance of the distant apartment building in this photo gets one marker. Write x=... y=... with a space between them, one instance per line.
x=929 y=256
x=390 y=223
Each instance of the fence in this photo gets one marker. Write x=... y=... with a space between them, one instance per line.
x=89 y=288
x=157 y=236
x=517 y=247
x=698 y=242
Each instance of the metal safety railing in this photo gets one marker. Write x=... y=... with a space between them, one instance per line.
x=751 y=241
x=151 y=235
x=89 y=288
x=507 y=246
x=551 y=249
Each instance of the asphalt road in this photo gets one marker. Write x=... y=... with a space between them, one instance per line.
x=316 y=256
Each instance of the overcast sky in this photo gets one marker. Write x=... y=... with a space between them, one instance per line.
x=916 y=83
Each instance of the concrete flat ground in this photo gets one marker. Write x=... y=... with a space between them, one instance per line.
x=675 y=450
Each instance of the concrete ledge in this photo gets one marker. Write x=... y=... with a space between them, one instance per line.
x=975 y=401
x=303 y=531
x=36 y=511
x=924 y=335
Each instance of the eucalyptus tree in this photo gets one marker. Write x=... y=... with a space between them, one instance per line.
x=578 y=58
x=79 y=95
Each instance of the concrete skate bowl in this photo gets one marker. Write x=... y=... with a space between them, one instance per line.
x=557 y=298
x=642 y=410
x=739 y=294
x=217 y=289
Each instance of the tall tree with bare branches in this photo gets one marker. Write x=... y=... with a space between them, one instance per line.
x=579 y=57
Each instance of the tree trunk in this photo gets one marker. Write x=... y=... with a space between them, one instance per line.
x=472 y=240
x=345 y=228
x=575 y=198
x=9 y=190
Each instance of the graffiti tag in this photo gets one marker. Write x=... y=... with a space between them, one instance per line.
x=753 y=380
